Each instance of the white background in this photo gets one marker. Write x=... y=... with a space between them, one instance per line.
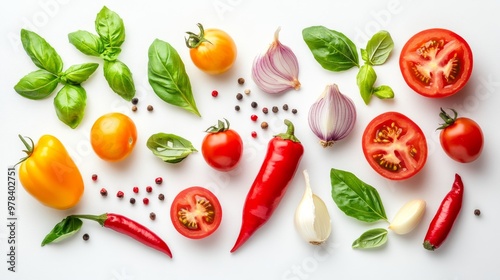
x=275 y=251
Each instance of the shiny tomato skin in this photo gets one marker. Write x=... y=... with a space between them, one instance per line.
x=113 y=136
x=217 y=55
x=463 y=140
x=394 y=146
x=436 y=63
x=222 y=150
x=196 y=212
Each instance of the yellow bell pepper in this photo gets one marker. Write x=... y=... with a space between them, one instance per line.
x=49 y=174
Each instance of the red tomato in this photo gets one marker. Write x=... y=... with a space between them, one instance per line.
x=222 y=147
x=461 y=138
x=436 y=62
x=394 y=146
x=196 y=212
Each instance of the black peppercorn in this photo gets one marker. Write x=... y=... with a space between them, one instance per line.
x=265 y=110
x=241 y=81
x=477 y=212
x=275 y=109
x=285 y=107
x=152 y=216
x=86 y=236
x=135 y=100
x=294 y=111
x=161 y=196
x=239 y=96
x=132 y=200
x=254 y=104
x=237 y=107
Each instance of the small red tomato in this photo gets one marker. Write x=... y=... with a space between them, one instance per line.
x=222 y=147
x=461 y=138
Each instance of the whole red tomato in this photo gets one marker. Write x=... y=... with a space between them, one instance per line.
x=222 y=147
x=461 y=138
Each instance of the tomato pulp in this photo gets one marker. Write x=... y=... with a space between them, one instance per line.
x=394 y=146
x=436 y=62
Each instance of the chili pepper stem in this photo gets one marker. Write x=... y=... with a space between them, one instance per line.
x=97 y=218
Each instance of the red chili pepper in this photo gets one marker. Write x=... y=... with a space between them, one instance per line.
x=282 y=159
x=445 y=217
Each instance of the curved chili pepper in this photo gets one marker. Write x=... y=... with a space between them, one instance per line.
x=282 y=159
x=445 y=217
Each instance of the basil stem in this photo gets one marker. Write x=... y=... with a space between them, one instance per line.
x=168 y=78
x=77 y=74
x=378 y=48
x=170 y=147
x=86 y=42
x=110 y=28
x=332 y=49
x=37 y=85
x=41 y=53
x=70 y=104
x=356 y=198
x=119 y=79
x=372 y=238
x=366 y=79
x=62 y=230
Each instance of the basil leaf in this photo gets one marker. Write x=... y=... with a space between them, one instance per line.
x=371 y=239
x=170 y=147
x=111 y=53
x=37 y=85
x=332 y=49
x=62 y=230
x=168 y=78
x=383 y=92
x=378 y=48
x=110 y=28
x=86 y=42
x=41 y=53
x=119 y=79
x=356 y=198
x=70 y=104
x=77 y=74
x=366 y=79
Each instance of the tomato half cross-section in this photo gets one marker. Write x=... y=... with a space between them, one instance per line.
x=436 y=62
x=394 y=146
x=196 y=212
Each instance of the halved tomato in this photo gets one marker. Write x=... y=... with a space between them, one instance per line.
x=394 y=146
x=196 y=212
x=436 y=62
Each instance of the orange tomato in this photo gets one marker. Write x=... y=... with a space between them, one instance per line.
x=213 y=51
x=113 y=136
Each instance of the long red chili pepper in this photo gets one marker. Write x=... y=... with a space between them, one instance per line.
x=445 y=217
x=282 y=159
x=131 y=228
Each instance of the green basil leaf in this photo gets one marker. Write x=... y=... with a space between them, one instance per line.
x=111 y=53
x=356 y=198
x=77 y=74
x=110 y=28
x=170 y=147
x=383 y=92
x=70 y=104
x=41 y=53
x=168 y=78
x=37 y=85
x=62 y=230
x=119 y=79
x=86 y=42
x=366 y=79
x=364 y=55
x=332 y=49
x=378 y=48
x=371 y=239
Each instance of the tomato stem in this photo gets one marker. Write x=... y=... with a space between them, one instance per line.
x=448 y=120
x=195 y=40
x=220 y=127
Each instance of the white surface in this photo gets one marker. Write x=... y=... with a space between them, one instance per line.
x=275 y=251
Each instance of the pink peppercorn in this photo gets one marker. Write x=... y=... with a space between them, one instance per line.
x=145 y=201
x=149 y=189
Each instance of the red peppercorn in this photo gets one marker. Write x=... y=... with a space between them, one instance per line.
x=104 y=192
x=94 y=177
x=149 y=189
x=119 y=194
x=254 y=134
x=254 y=117
x=135 y=190
x=159 y=180
x=145 y=201
x=215 y=93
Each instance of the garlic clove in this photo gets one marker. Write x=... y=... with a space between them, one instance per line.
x=408 y=217
x=312 y=219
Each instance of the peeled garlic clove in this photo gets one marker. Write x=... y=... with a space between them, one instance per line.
x=408 y=217
x=312 y=220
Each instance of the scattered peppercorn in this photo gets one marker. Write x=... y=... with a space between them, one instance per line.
x=254 y=117
x=150 y=108
x=152 y=216
x=149 y=189
x=254 y=134
x=135 y=100
x=94 y=177
x=161 y=196
x=134 y=108
x=104 y=192
x=237 y=108
x=477 y=212
x=294 y=111
x=265 y=110
x=247 y=91
x=135 y=189
x=145 y=201
x=120 y=194
x=275 y=109
x=285 y=107
x=86 y=236
x=159 y=180
x=215 y=93
x=132 y=200
x=239 y=96
x=241 y=81
x=254 y=104
x=264 y=125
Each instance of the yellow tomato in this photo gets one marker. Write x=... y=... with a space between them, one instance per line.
x=113 y=136
x=49 y=174
x=213 y=51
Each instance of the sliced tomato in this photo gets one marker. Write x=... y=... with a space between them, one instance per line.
x=436 y=62
x=196 y=212
x=394 y=146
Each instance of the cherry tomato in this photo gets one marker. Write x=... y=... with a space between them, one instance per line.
x=394 y=146
x=113 y=136
x=222 y=147
x=461 y=138
x=196 y=212
x=213 y=51
x=436 y=62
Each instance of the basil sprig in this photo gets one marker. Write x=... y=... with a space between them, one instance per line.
x=168 y=77
x=107 y=45
x=170 y=147
x=334 y=51
x=71 y=99
x=371 y=239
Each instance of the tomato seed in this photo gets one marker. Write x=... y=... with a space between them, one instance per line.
x=254 y=134
x=239 y=96
x=152 y=216
x=135 y=100
x=159 y=180
x=86 y=236
x=215 y=93
x=120 y=194
x=254 y=104
x=104 y=192
x=150 y=108
x=161 y=196
x=94 y=177
x=254 y=117
x=132 y=200
x=135 y=189
x=145 y=201
x=241 y=81
x=149 y=189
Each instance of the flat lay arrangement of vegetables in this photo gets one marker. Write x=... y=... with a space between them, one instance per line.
x=435 y=63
